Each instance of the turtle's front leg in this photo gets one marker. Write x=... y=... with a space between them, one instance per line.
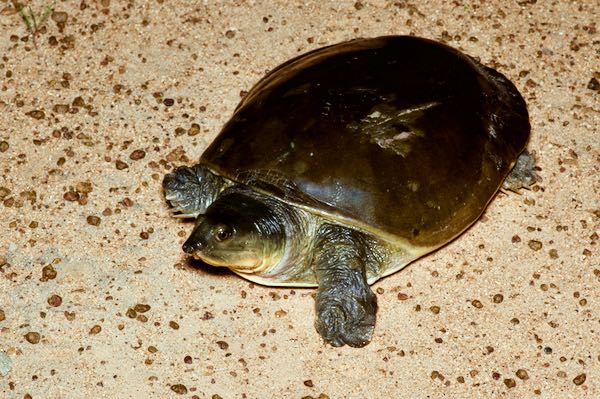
x=191 y=190
x=345 y=304
x=523 y=173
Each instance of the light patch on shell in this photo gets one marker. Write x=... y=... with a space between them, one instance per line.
x=393 y=129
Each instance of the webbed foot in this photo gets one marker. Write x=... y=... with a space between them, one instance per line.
x=347 y=318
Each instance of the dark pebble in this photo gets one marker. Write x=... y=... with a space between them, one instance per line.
x=223 y=345
x=36 y=114
x=141 y=308
x=137 y=154
x=477 y=303
x=179 y=389
x=93 y=220
x=95 y=330
x=510 y=383
x=54 y=301
x=580 y=379
x=522 y=374
x=32 y=337
x=71 y=196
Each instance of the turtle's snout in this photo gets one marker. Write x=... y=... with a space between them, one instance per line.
x=192 y=245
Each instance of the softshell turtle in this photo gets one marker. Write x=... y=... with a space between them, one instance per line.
x=347 y=163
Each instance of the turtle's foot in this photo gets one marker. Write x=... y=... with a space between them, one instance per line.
x=522 y=175
x=191 y=190
x=346 y=315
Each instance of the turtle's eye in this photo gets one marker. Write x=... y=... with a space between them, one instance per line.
x=223 y=232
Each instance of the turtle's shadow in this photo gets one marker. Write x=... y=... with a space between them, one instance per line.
x=199 y=266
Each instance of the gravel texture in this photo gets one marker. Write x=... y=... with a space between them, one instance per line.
x=98 y=300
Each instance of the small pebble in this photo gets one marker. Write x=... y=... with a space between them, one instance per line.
x=435 y=309
x=4 y=192
x=36 y=114
x=174 y=325
x=168 y=102
x=95 y=330
x=194 y=129
x=535 y=245
x=71 y=196
x=580 y=379
x=141 y=308
x=223 y=345
x=93 y=220
x=60 y=17
x=84 y=187
x=309 y=383
x=477 y=303
x=32 y=337
x=179 y=389
x=137 y=155
x=120 y=165
x=403 y=297
x=522 y=374
x=2 y=315
x=498 y=298
x=510 y=383
x=48 y=273
x=5 y=364
x=4 y=146
x=55 y=300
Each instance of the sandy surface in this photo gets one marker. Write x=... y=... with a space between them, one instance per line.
x=87 y=242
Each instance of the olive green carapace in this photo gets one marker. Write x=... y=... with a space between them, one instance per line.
x=402 y=137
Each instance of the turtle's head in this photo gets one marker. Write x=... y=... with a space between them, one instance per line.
x=240 y=232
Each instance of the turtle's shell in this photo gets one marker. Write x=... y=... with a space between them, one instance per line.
x=402 y=137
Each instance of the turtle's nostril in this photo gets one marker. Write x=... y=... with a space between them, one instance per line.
x=192 y=245
x=188 y=248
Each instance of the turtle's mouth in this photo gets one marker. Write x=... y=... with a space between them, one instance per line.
x=242 y=262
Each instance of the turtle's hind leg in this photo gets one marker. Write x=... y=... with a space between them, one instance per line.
x=522 y=175
x=191 y=190
x=345 y=304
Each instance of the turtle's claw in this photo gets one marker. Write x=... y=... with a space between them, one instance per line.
x=349 y=321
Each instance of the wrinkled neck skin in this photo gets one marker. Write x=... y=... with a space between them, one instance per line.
x=284 y=259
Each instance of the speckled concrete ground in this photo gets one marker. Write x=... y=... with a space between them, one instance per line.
x=97 y=299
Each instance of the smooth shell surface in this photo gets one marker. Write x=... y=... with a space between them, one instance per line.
x=403 y=137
